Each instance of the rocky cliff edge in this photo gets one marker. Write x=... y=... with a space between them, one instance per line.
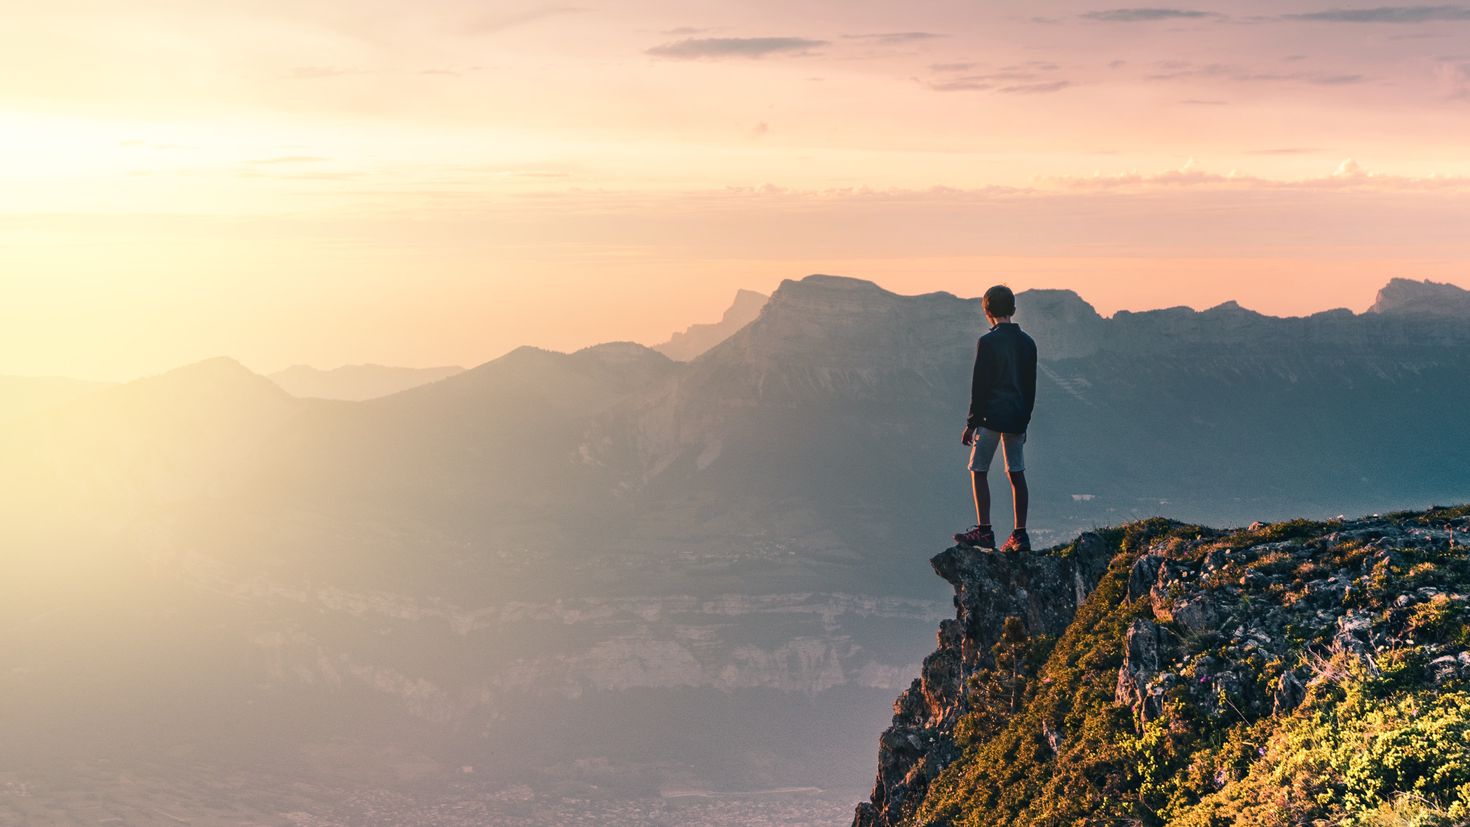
x=1165 y=673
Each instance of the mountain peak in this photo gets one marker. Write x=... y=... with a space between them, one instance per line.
x=1064 y=320
x=836 y=283
x=698 y=338
x=819 y=288
x=742 y=295
x=213 y=373
x=1408 y=297
x=1054 y=302
x=848 y=324
x=1231 y=308
x=220 y=365
x=621 y=353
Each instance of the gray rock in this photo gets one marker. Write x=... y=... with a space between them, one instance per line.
x=1142 y=576
x=1199 y=615
x=1288 y=692
x=1144 y=654
x=1444 y=668
x=1054 y=736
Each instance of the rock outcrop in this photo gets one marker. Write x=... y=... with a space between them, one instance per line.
x=1163 y=673
x=1033 y=595
x=1406 y=297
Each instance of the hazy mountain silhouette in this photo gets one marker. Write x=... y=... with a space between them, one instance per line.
x=144 y=443
x=696 y=339
x=613 y=568
x=356 y=382
x=1422 y=298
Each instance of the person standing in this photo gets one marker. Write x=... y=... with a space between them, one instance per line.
x=1002 y=396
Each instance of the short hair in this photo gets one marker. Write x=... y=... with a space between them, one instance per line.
x=1000 y=301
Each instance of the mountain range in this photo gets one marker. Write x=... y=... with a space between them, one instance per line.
x=356 y=382
x=614 y=574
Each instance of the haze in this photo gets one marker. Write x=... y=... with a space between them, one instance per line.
x=438 y=182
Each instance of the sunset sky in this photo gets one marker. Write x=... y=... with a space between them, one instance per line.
x=437 y=182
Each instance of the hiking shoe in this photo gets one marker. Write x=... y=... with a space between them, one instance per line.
x=977 y=537
x=1018 y=542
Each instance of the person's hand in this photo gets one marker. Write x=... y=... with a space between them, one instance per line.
x=968 y=437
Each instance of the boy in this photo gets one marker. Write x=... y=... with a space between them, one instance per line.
x=1002 y=394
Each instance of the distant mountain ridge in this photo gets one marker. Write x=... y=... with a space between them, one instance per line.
x=356 y=382
x=832 y=357
x=1422 y=298
x=698 y=338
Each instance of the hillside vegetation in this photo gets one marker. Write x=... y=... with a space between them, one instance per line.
x=1294 y=673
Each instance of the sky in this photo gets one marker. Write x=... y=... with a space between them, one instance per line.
x=345 y=181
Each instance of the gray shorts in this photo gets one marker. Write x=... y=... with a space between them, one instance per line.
x=983 y=450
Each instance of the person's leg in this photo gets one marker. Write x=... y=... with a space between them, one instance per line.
x=1021 y=496
x=1016 y=470
x=980 y=483
x=981 y=455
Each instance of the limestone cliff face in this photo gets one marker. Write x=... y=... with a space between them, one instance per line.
x=1042 y=591
x=1405 y=297
x=1162 y=673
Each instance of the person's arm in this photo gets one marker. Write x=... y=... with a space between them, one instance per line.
x=1028 y=380
x=979 y=387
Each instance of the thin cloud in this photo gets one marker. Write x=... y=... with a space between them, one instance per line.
x=1177 y=69
x=1004 y=75
x=896 y=37
x=1004 y=82
x=962 y=84
x=318 y=72
x=532 y=173
x=291 y=159
x=1017 y=78
x=1348 y=175
x=451 y=73
x=1386 y=14
x=139 y=143
x=717 y=47
x=501 y=22
x=287 y=174
x=1036 y=88
x=1142 y=15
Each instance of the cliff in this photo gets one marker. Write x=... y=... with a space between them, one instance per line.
x=1164 y=673
x=696 y=339
x=1421 y=299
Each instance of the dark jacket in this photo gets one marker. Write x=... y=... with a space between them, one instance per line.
x=1003 y=389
